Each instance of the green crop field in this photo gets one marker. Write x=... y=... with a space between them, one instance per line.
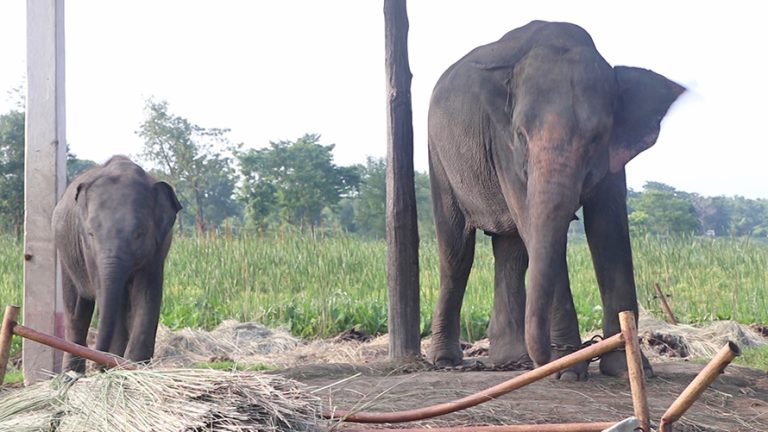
x=321 y=285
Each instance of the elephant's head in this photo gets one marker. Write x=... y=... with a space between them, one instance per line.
x=125 y=221
x=571 y=120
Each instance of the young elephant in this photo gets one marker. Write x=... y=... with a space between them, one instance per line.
x=523 y=132
x=112 y=229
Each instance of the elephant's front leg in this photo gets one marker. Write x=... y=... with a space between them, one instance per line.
x=606 y=225
x=78 y=313
x=564 y=333
x=456 y=255
x=146 y=296
x=507 y=328
x=456 y=247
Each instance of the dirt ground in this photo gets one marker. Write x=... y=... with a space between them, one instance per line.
x=351 y=372
x=736 y=401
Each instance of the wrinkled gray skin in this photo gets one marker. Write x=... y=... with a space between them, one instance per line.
x=523 y=132
x=112 y=229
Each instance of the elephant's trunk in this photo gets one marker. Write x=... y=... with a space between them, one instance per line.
x=553 y=197
x=111 y=295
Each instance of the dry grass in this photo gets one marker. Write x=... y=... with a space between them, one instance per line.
x=231 y=340
x=660 y=339
x=250 y=343
x=161 y=400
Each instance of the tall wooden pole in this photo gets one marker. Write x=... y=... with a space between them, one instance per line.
x=402 y=229
x=44 y=181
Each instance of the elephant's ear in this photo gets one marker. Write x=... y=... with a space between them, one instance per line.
x=81 y=188
x=81 y=199
x=166 y=207
x=644 y=98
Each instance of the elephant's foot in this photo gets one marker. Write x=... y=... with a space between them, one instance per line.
x=74 y=363
x=577 y=372
x=614 y=364
x=506 y=354
x=445 y=355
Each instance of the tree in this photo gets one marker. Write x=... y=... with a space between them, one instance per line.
x=193 y=159
x=12 y=171
x=75 y=165
x=370 y=203
x=661 y=209
x=748 y=217
x=424 y=214
x=292 y=182
x=714 y=214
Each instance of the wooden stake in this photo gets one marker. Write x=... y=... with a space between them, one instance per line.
x=402 y=225
x=664 y=305
x=635 y=369
x=102 y=358
x=6 y=337
x=714 y=368
x=45 y=176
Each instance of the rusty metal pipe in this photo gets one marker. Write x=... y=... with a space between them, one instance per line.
x=715 y=367
x=554 y=427
x=6 y=337
x=635 y=369
x=106 y=359
x=491 y=393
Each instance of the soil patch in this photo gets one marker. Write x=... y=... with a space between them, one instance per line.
x=736 y=401
x=351 y=372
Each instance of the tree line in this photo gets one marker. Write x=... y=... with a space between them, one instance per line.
x=296 y=184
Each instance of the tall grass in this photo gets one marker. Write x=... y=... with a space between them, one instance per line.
x=321 y=285
x=11 y=276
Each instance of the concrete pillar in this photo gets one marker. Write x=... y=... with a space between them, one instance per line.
x=44 y=182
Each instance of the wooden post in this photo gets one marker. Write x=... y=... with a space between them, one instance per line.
x=664 y=305
x=6 y=337
x=402 y=229
x=712 y=370
x=100 y=357
x=635 y=369
x=44 y=181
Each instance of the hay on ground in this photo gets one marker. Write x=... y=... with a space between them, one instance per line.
x=251 y=343
x=231 y=340
x=686 y=341
x=161 y=400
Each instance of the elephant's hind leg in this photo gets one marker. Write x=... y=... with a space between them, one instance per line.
x=507 y=328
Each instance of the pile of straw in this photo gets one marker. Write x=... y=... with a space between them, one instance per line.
x=687 y=341
x=251 y=343
x=161 y=400
x=231 y=340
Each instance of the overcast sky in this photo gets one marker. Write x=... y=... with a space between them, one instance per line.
x=274 y=70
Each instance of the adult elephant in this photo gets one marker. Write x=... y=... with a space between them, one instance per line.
x=112 y=228
x=522 y=132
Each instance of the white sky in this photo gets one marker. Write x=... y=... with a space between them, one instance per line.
x=274 y=70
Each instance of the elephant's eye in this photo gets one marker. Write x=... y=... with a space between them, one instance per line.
x=90 y=234
x=139 y=235
x=522 y=139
